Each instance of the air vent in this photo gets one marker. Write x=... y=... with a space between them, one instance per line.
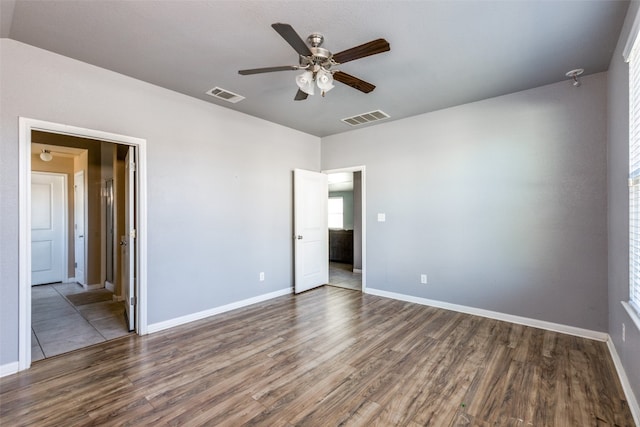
x=371 y=116
x=225 y=95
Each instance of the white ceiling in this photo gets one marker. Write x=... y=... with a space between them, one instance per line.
x=443 y=53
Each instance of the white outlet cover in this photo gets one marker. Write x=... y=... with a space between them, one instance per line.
x=382 y=217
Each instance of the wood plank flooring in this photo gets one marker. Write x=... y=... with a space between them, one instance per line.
x=327 y=357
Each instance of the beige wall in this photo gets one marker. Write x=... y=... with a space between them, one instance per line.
x=62 y=165
x=107 y=153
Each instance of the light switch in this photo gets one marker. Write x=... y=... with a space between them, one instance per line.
x=382 y=217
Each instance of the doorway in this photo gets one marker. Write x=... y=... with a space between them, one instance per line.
x=311 y=228
x=28 y=128
x=86 y=306
x=346 y=232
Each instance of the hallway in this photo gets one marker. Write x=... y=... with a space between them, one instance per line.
x=342 y=276
x=66 y=317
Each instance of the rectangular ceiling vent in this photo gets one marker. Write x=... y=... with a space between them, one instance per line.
x=225 y=95
x=371 y=116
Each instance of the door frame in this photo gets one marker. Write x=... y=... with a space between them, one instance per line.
x=65 y=220
x=363 y=183
x=26 y=126
x=85 y=197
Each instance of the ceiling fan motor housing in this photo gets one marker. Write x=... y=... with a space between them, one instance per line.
x=315 y=39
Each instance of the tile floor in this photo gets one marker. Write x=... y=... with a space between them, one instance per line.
x=342 y=276
x=58 y=326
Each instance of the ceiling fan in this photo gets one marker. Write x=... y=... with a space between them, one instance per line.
x=317 y=62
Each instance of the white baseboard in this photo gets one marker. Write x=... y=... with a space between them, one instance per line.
x=8 y=369
x=624 y=380
x=71 y=280
x=161 y=326
x=109 y=286
x=541 y=324
x=357 y=270
x=118 y=298
x=92 y=287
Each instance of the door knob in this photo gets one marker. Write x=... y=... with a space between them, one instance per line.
x=299 y=237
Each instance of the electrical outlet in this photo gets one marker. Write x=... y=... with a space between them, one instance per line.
x=262 y=276
x=623 y=333
x=423 y=279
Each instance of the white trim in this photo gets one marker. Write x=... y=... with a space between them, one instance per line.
x=141 y=236
x=171 y=323
x=632 y=313
x=363 y=209
x=25 y=126
x=631 y=38
x=526 y=321
x=109 y=286
x=24 y=245
x=71 y=280
x=9 y=369
x=92 y=287
x=624 y=381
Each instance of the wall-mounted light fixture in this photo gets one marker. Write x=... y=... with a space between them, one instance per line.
x=46 y=156
x=574 y=75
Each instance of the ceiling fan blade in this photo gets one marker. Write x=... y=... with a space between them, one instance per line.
x=372 y=48
x=289 y=34
x=354 y=82
x=267 y=69
x=300 y=96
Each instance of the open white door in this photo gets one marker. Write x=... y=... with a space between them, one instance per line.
x=310 y=194
x=128 y=241
x=48 y=231
x=79 y=231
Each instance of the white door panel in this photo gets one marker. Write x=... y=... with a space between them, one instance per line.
x=47 y=228
x=311 y=230
x=128 y=241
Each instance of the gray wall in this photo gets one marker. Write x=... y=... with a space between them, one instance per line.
x=501 y=202
x=347 y=207
x=219 y=182
x=618 y=204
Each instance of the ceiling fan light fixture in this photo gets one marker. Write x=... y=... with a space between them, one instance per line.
x=46 y=156
x=324 y=80
x=305 y=82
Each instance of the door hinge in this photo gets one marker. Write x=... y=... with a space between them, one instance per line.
x=133 y=301
x=132 y=166
x=132 y=234
x=75 y=264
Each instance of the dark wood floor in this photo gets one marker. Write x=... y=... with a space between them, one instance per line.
x=327 y=357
